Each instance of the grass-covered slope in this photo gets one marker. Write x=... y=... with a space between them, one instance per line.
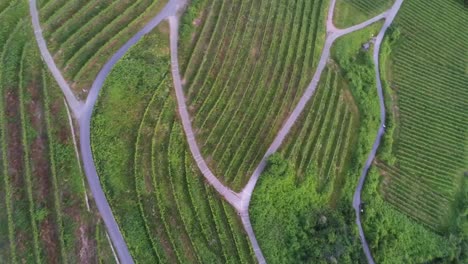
x=245 y=64
x=166 y=211
x=352 y=12
x=83 y=34
x=43 y=214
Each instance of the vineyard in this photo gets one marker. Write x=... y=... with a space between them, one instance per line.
x=245 y=64
x=169 y=214
x=320 y=145
x=318 y=152
x=428 y=77
x=83 y=34
x=351 y=12
x=42 y=203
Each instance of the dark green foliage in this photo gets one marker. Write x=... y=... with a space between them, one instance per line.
x=290 y=224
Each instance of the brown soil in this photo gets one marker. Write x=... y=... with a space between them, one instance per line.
x=86 y=247
x=42 y=176
x=49 y=237
x=15 y=162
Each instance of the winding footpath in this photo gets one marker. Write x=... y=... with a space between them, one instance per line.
x=83 y=112
x=357 y=194
x=240 y=201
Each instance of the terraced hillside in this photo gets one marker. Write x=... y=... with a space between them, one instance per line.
x=170 y=214
x=83 y=34
x=42 y=194
x=350 y=12
x=427 y=73
x=245 y=64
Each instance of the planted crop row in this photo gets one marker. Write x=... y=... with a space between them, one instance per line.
x=43 y=206
x=83 y=35
x=319 y=146
x=430 y=147
x=248 y=80
x=184 y=204
x=7 y=231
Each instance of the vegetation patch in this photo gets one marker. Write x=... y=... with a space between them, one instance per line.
x=169 y=213
x=245 y=65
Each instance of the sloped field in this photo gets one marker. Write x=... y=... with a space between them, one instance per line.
x=169 y=214
x=245 y=64
x=428 y=75
x=42 y=202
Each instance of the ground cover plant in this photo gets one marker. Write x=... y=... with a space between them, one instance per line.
x=42 y=203
x=169 y=213
x=83 y=34
x=309 y=184
x=245 y=65
x=423 y=161
x=351 y=12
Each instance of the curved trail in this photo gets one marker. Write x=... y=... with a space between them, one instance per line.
x=73 y=102
x=357 y=195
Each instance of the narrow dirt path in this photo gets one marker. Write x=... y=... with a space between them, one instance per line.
x=391 y=14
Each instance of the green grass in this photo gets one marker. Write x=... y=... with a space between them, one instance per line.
x=351 y=12
x=245 y=65
x=169 y=214
x=82 y=35
x=42 y=200
x=317 y=153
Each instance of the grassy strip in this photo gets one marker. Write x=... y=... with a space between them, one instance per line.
x=139 y=173
x=94 y=63
x=61 y=16
x=159 y=168
x=53 y=168
x=204 y=217
x=4 y=157
x=176 y=169
x=224 y=123
x=222 y=227
x=204 y=66
x=50 y=8
x=276 y=64
x=74 y=23
x=222 y=62
x=246 y=254
x=97 y=36
x=26 y=157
